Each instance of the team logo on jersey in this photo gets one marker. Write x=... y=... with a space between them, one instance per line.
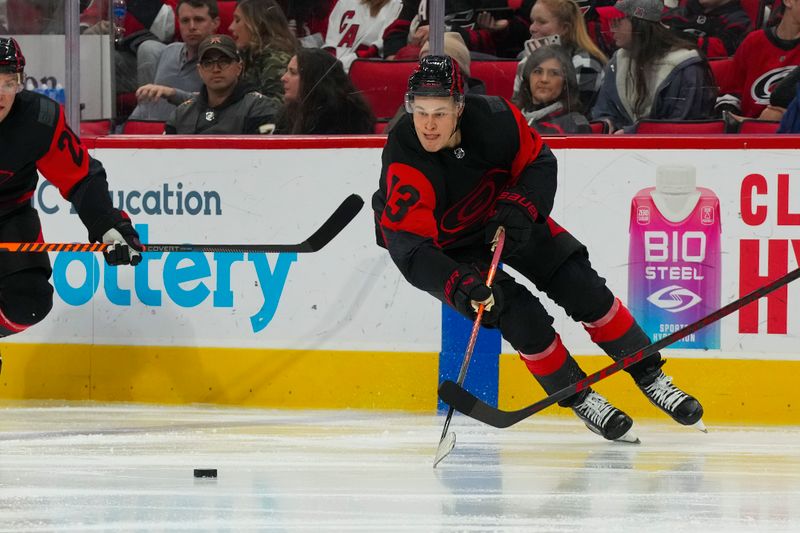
x=764 y=84
x=475 y=206
x=674 y=299
x=209 y=116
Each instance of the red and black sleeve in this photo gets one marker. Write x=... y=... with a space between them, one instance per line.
x=79 y=177
x=409 y=228
x=534 y=168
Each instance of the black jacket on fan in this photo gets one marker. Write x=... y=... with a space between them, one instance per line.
x=718 y=33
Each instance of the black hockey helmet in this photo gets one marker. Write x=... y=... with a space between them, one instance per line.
x=11 y=59
x=435 y=76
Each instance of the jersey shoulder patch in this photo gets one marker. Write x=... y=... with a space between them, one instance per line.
x=48 y=112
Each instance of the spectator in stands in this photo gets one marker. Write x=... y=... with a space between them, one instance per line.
x=308 y=20
x=764 y=58
x=266 y=43
x=486 y=30
x=320 y=99
x=176 y=73
x=146 y=20
x=548 y=97
x=355 y=28
x=225 y=105
x=716 y=26
x=563 y=18
x=654 y=74
x=790 y=122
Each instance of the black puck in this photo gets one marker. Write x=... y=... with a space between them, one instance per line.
x=205 y=472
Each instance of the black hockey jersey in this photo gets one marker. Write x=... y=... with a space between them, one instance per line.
x=430 y=207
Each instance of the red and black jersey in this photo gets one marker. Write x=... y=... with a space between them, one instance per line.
x=35 y=136
x=760 y=63
x=717 y=32
x=429 y=207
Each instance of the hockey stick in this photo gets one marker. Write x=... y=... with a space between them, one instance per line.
x=340 y=218
x=465 y=402
x=448 y=440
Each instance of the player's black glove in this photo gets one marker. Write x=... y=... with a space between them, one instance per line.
x=517 y=215
x=124 y=241
x=465 y=291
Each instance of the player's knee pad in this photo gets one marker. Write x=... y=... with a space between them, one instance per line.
x=26 y=297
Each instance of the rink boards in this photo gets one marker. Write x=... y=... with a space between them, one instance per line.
x=341 y=328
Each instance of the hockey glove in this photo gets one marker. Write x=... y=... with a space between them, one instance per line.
x=124 y=241
x=465 y=291
x=517 y=215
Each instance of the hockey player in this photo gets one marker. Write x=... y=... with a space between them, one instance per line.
x=34 y=136
x=454 y=169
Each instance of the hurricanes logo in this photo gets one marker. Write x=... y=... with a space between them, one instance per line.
x=762 y=87
x=674 y=299
x=475 y=206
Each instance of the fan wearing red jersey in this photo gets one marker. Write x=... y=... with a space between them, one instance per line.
x=455 y=168
x=35 y=138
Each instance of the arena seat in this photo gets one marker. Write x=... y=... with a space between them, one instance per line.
x=95 y=128
x=143 y=127
x=599 y=126
x=752 y=125
x=383 y=83
x=497 y=75
x=672 y=127
x=722 y=70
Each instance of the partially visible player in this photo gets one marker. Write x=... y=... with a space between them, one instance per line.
x=454 y=169
x=34 y=136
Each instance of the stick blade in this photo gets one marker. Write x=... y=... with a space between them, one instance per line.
x=340 y=218
x=446 y=446
x=465 y=402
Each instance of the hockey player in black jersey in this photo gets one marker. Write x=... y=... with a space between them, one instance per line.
x=454 y=169
x=34 y=136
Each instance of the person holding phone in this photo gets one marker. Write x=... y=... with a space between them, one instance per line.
x=560 y=22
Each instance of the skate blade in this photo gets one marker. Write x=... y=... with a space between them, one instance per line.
x=446 y=446
x=629 y=437
x=700 y=426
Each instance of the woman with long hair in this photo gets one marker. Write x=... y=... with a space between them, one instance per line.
x=561 y=22
x=548 y=97
x=320 y=98
x=654 y=74
x=266 y=44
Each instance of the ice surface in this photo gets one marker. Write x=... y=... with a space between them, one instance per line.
x=116 y=467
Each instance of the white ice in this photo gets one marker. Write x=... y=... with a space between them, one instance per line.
x=96 y=467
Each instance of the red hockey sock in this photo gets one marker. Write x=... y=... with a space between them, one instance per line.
x=548 y=360
x=612 y=326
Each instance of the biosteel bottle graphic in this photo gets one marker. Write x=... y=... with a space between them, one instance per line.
x=674 y=260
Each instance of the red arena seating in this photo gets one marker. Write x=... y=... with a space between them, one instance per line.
x=599 y=126
x=680 y=126
x=383 y=83
x=94 y=128
x=751 y=125
x=143 y=127
x=497 y=75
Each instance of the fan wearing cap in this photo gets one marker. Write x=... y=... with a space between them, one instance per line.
x=654 y=74
x=455 y=168
x=35 y=137
x=225 y=105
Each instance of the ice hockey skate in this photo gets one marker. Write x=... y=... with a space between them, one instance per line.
x=682 y=407
x=604 y=419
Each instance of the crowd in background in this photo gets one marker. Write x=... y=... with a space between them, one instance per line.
x=580 y=62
